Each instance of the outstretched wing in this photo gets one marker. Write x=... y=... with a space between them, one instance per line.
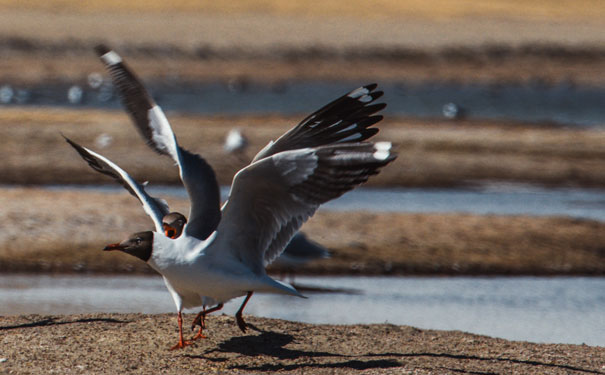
x=197 y=175
x=156 y=208
x=301 y=247
x=346 y=119
x=271 y=198
x=147 y=116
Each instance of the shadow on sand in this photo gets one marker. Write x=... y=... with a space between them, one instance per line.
x=50 y=321
x=272 y=344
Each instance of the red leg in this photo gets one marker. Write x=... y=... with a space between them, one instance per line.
x=182 y=343
x=200 y=320
x=238 y=315
x=199 y=334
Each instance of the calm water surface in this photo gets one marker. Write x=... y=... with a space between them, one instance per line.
x=561 y=103
x=555 y=310
x=501 y=199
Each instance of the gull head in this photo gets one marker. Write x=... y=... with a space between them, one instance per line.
x=138 y=245
x=173 y=224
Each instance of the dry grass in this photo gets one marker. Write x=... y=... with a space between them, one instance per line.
x=476 y=66
x=552 y=10
x=447 y=40
x=457 y=244
x=65 y=232
x=431 y=153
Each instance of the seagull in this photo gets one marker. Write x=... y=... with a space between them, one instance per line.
x=235 y=141
x=173 y=224
x=222 y=252
x=299 y=250
x=170 y=223
x=134 y=95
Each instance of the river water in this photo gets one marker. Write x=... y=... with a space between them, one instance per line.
x=500 y=199
x=562 y=103
x=553 y=310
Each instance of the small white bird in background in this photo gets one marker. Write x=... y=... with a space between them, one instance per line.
x=453 y=111
x=75 y=94
x=235 y=142
x=222 y=253
x=7 y=94
x=103 y=140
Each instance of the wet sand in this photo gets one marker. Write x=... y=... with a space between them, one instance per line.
x=138 y=344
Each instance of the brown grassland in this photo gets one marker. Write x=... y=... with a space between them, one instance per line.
x=432 y=153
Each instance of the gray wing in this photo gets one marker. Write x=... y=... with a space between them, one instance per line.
x=301 y=247
x=271 y=198
x=346 y=119
x=197 y=175
x=156 y=208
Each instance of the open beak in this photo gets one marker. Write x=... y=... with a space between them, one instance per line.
x=113 y=246
x=169 y=231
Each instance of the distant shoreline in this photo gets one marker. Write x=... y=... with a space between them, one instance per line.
x=32 y=60
x=432 y=152
x=64 y=232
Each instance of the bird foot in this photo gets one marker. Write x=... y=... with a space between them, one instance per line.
x=181 y=344
x=199 y=335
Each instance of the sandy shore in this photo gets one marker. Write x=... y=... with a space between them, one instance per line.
x=44 y=231
x=134 y=343
x=138 y=344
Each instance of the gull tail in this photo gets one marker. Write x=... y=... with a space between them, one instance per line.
x=279 y=287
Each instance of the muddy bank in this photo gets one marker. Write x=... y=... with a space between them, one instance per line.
x=432 y=153
x=135 y=343
x=63 y=231
x=31 y=61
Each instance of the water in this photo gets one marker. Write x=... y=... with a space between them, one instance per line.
x=562 y=103
x=510 y=199
x=553 y=310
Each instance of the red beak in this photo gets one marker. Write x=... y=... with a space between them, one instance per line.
x=113 y=246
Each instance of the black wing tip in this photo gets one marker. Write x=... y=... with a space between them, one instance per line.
x=102 y=49
x=370 y=120
x=71 y=143
x=80 y=150
x=376 y=94
x=371 y=86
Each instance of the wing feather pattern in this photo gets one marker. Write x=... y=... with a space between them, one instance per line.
x=346 y=119
x=197 y=175
x=271 y=198
x=156 y=208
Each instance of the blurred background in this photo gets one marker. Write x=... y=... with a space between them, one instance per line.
x=495 y=108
